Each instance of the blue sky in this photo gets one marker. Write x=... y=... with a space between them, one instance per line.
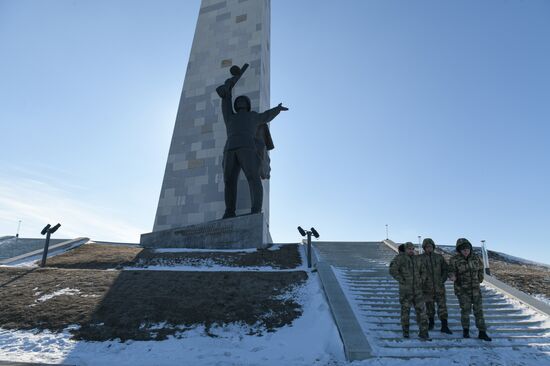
x=429 y=116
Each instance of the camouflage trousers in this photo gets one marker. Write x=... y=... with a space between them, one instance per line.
x=409 y=300
x=468 y=299
x=438 y=297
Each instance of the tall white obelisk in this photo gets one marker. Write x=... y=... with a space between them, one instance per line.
x=229 y=32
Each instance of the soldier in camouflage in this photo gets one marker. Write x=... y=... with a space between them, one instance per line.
x=434 y=287
x=466 y=270
x=409 y=271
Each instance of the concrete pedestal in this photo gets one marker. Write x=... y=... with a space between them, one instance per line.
x=248 y=231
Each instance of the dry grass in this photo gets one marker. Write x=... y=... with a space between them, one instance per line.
x=95 y=256
x=128 y=304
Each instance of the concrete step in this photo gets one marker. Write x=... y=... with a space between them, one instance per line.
x=449 y=305
x=456 y=324
x=474 y=343
x=524 y=323
x=496 y=311
x=395 y=294
x=366 y=280
x=536 y=354
x=450 y=301
x=521 y=331
x=396 y=315
x=394 y=286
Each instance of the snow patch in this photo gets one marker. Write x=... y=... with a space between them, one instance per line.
x=65 y=291
x=190 y=250
x=207 y=265
x=542 y=298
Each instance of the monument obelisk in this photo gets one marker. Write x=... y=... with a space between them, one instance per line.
x=228 y=32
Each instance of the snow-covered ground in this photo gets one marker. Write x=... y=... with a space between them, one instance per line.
x=190 y=250
x=542 y=298
x=312 y=339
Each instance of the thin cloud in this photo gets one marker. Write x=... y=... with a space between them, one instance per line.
x=36 y=202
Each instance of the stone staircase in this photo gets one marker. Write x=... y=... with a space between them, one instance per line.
x=521 y=335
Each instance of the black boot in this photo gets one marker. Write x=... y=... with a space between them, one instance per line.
x=424 y=336
x=445 y=327
x=405 y=332
x=465 y=333
x=483 y=335
x=431 y=323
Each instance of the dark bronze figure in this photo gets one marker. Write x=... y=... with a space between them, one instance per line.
x=247 y=139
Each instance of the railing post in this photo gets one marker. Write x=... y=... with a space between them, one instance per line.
x=309 y=249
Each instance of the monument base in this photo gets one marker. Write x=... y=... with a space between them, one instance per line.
x=247 y=231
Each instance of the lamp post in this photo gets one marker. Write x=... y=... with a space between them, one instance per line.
x=485 y=255
x=48 y=230
x=419 y=245
x=387 y=236
x=18 y=227
x=308 y=233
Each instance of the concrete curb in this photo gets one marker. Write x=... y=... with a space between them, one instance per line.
x=521 y=296
x=356 y=346
x=63 y=245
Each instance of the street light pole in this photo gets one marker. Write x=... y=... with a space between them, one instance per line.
x=18 y=227
x=48 y=230
x=387 y=236
x=485 y=255
x=308 y=233
x=419 y=245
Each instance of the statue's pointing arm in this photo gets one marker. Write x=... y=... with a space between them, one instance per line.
x=270 y=114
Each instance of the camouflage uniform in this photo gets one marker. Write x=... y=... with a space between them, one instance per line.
x=410 y=273
x=469 y=275
x=434 y=287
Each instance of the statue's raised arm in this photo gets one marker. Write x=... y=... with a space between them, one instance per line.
x=226 y=88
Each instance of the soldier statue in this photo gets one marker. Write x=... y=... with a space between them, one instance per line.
x=248 y=139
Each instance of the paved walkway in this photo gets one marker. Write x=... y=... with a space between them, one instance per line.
x=520 y=334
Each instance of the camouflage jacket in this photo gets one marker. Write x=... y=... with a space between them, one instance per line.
x=410 y=272
x=468 y=271
x=437 y=272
